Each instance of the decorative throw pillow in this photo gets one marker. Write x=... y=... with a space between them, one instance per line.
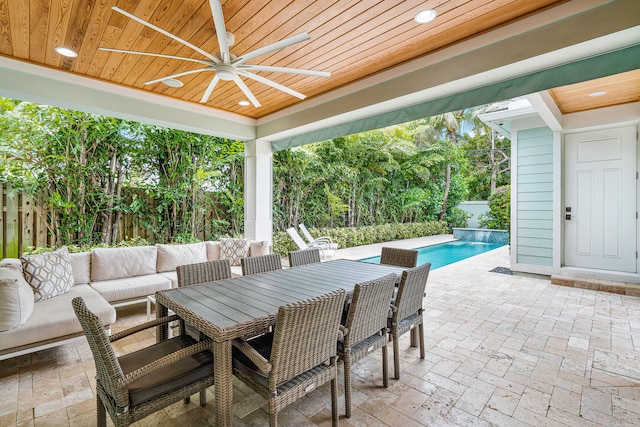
x=258 y=248
x=49 y=274
x=16 y=298
x=234 y=250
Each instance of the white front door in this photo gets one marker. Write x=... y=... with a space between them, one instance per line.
x=600 y=199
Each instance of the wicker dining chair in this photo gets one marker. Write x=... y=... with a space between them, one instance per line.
x=135 y=385
x=202 y=272
x=297 y=357
x=260 y=264
x=407 y=310
x=407 y=258
x=304 y=257
x=366 y=328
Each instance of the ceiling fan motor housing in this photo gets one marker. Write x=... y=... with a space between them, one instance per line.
x=226 y=72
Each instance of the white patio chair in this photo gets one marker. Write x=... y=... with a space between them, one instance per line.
x=319 y=240
x=325 y=250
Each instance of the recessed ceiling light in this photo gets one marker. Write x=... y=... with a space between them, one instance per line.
x=173 y=83
x=244 y=103
x=425 y=16
x=66 y=52
x=594 y=94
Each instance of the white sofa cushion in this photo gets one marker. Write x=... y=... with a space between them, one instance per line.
x=234 y=250
x=258 y=247
x=213 y=251
x=16 y=298
x=117 y=263
x=131 y=288
x=171 y=256
x=172 y=276
x=54 y=318
x=81 y=266
x=49 y=274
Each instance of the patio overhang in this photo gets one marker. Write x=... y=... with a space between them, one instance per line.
x=572 y=42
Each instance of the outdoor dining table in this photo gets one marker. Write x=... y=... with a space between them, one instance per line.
x=246 y=305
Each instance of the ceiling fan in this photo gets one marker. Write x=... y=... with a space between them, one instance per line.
x=226 y=65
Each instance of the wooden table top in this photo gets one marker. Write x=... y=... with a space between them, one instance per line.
x=231 y=308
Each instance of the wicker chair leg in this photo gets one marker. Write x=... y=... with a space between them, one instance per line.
x=396 y=356
x=187 y=400
x=421 y=332
x=203 y=397
x=347 y=384
x=334 y=402
x=385 y=366
x=273 y=414
x=101 y=413
x=414 y=337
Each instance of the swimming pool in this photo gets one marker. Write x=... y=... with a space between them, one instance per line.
x=446 y=253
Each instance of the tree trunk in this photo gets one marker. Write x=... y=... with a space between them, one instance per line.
x=116 y=220
x=445 y=196
x=494 y=165
x=82 y=208
x=194 y=197
x=108 y=193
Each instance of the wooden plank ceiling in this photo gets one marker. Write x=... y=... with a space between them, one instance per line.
x=350 y=39
x=613 y=90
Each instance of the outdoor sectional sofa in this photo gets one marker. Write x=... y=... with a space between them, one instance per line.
x=104 y=277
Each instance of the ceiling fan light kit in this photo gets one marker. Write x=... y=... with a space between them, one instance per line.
x=173 y=83
x=225 y=65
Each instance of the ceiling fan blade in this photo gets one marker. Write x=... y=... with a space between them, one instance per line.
x=210 y=88
x=247 y=91
x=272 y=84
x=166 y=33
x=184 y=73
x=221 y=31
x=160 y=55
x=271 y=47
x=270 y=68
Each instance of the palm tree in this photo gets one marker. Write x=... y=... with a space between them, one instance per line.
x=447 y=128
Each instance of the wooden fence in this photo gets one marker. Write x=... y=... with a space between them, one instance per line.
x=21 y=226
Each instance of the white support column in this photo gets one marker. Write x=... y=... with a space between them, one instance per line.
x=258 y=190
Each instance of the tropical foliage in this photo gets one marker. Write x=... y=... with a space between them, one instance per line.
x=85 y=171
x=499 y=215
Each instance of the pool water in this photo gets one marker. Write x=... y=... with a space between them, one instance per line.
x=446 y=253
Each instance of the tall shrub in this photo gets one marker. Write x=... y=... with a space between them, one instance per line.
x=499 y=215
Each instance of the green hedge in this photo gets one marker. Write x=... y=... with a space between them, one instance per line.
x=347 y=237
x=135 y=241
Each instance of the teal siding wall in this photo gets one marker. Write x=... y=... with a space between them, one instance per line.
x=534 y=213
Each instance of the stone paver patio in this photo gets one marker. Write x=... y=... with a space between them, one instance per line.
x=502 y=350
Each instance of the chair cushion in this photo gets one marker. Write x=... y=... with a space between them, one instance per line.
x=262 y=344
x=49 y=274
x=182 y=372
x=16 y=298
x=234 y=250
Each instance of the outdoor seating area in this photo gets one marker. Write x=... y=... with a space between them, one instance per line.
x=499 y=349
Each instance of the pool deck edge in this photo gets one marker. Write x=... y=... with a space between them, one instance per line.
x=366 y=251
